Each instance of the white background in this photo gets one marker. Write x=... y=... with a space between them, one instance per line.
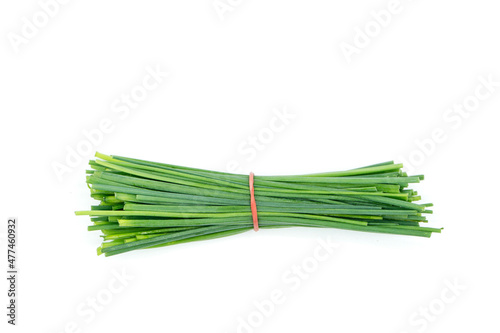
x=226 y=76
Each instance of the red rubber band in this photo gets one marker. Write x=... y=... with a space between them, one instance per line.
x=253 y=204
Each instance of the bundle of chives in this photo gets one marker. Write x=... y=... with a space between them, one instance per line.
x=147 y=204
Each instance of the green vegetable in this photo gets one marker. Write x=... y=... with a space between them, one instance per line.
x=148 y=204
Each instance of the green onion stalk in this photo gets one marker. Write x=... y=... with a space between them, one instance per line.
x=145 y=204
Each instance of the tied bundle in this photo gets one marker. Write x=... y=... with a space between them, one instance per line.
x=147 y=204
